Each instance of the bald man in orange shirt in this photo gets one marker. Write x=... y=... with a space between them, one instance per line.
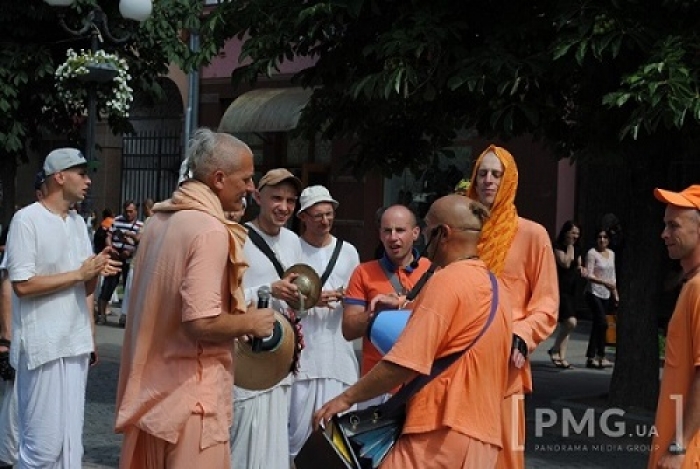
x=520 y=253
x=676 y=443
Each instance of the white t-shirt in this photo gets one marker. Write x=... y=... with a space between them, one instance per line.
x=601 y=268
x=261 y=272
x=54 y=325
x=327 y=354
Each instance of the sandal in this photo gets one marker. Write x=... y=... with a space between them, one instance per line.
x=566 y=365
x=604 y=363
x=556 y=358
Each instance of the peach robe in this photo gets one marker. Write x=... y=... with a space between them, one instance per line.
x=463 y=403
x=530 y=279
x=682 y=361
x=165 y=376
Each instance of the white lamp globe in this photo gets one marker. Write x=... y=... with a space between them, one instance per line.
x=138 y=10
x=60 y=3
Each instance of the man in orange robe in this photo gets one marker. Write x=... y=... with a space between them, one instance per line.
x=676 y=443
x=175 y=379
x=520 y=253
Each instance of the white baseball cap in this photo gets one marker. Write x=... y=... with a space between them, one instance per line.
x=62 y=159
x=313 y=195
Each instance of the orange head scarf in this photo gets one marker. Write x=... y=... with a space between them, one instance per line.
x=499 y=229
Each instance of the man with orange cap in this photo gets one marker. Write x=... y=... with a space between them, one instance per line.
x=520 y=253
x=676 y=443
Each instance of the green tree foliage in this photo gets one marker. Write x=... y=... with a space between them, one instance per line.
x=34 y=44
x=400 y=77
x=611 y=83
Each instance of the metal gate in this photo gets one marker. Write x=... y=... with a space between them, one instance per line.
x=150 y=165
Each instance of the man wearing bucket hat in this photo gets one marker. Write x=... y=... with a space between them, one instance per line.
x=452 y=422
x=676 y=442
x=53 y=273
x=259 y=435
x=328 y=364
x=520 y=253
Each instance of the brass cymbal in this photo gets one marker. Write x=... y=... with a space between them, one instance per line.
x=309 y=284
x=264 y=369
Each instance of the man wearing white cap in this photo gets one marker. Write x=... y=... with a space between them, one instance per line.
x=328 y=364
x=259 y=435
x=53 y=271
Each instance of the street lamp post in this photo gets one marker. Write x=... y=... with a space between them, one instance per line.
x=95 y=24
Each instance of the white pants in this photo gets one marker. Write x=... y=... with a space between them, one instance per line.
x=259 y=436
x=127 y=290
x=308 y=396
x=381 y=399
x=9 y=426
x=51 y=413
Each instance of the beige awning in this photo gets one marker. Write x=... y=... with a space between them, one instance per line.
x=265 y=110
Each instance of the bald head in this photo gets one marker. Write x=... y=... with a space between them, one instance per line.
x=398 y=212
x=398 y=232
x=458 y=212
x=454 y=224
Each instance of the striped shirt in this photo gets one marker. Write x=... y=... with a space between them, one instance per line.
x=120 y=226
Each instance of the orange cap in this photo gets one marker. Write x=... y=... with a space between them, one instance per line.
x=687 y=198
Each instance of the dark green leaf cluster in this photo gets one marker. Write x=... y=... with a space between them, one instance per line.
x=34 y=44
x=399 y=77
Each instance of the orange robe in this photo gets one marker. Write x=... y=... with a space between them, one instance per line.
x=530 y=279
x=462 y=405
x=169 y=382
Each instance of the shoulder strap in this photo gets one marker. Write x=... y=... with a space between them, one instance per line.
x=411 y=295
x=441 y=364
x=332 y=261
x=398 y=288
x=265 y=249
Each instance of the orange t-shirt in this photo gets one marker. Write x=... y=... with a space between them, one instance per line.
x=530 y=279
x=369 y=280
x=682 y=360
x=449 y=314
x=165 y=376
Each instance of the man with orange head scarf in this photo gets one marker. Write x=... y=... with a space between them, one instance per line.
x=520 y=253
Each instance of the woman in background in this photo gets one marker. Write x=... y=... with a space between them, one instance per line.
x=600 y=292
x=567 y=254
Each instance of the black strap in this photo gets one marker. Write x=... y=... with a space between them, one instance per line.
x=265 y=249
x=441 y=364
x=331 y=263
x=395 y=283
x=411 y=295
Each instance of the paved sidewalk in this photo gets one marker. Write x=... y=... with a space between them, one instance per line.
x=568 y=424
x=564 y=395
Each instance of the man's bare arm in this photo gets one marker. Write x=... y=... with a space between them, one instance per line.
x=89 y=270
x=355 y=321
x=225 y=327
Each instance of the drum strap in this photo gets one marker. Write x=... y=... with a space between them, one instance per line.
x=331 y=263
x=411 y=295
x=265 y=249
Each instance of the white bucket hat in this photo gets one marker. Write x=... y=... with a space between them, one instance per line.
x=313 y=195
